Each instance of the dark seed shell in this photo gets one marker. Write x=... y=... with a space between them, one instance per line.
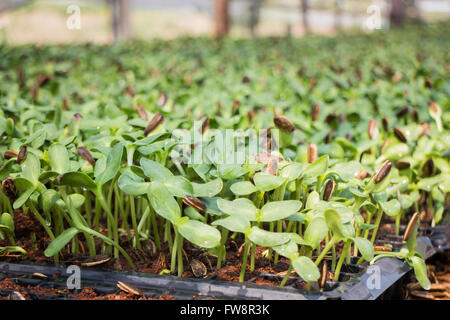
x=9 y=188
x=363 y=175
x=385 y=124
x=415 y=115
x=425 y=129
x=86 y=155
x=22 y=155
x=77 y=117
x=372 y=127
x=236 y=105
x=16 y=295
x=283 y=123
x=385 y=144
x=428 y=167
x=272 y=166
x=312 y=152
x=323 y=275
x=198 y=268
x=400 y=135
x=154 y=123
x=195 y=203
x=162 y=99
x=128 y=288
x=66 y=103
x=403 y=165
x=403 y=112
x=205 y=125
x=382 y=248
x=129 y=90
x=383 y=171
x=142 y=112
x=95 y=261
x=410 y=227
x=9 y=154
x=315 y=112
x=329 y=189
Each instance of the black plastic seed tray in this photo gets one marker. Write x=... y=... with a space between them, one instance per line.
x=356 y=287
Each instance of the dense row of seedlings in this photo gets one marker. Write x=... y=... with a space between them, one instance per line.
x=81 y=168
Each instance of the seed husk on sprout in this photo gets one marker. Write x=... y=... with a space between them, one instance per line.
x=400 y=134
x=141 y=111
x=154 y=123
x=82 y=151
x=22 y=155
x=312 y=152
x=329 y=189
x=195 y=203
x=410 y=226
x=372 y=127
x=283 y=123
x=9 y=154
x=383 y=171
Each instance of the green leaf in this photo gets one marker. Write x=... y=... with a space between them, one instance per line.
x=278 y=210
x=391 y=208
x=59 y=158
x=234 y=224
x=346 y=170
x=243 y=188
x=293 y=170
x=7 y=221
x=48 y=198
x=288 y=249
x=6 y=169
x=241 y=207
x=266 y=238
x=155 y=170
x=306 y=268
x=316 y=168
x=315 y=232
x=31 y=168
x=23 y=198
x=193 y=214
x=230 y=171
x=179 y=186
x=313 y=200
x=163 y=202
x=267 y=182
x=112 y=164
x=78 y=179
x=199 y=233
x=334 y=223
x=13 y=249
x=132 y=184
x=209 y=189
x=59 y=243
x=420 y=270
x=365 y=247
x=76 y=201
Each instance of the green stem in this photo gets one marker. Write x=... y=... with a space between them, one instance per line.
x=133 y=221
x=341 y=260
x=325 y=250
x=244 y=260
x=286 y=277
x=377 y=225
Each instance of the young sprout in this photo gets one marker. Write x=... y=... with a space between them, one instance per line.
x=154 y=123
